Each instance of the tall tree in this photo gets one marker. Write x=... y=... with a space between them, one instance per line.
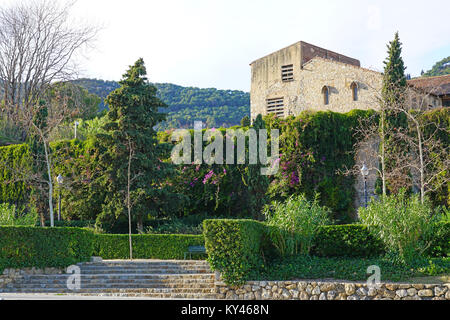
x=132 y=155
x=392 y=94
x=37 y=44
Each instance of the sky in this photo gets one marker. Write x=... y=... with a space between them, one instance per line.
x=210 y=43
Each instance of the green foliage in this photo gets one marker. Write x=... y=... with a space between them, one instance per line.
x=133 y=114
x=352 y=269
x=15 y=162
x=402 y=223
x=80 y=103
x=314 y=146
x=346 y=241
x=82 y=195
x=245 y=121
x=24 y=247
x=215 y=108
x=441 y=240
x=145 y=246
x=440 y=68
x=293 y=224
x=10 y=216
x=234 y=248
x=176 y=226
x=10 y=133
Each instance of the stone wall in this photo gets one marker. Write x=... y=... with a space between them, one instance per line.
x=11 y=275
x=313 y=290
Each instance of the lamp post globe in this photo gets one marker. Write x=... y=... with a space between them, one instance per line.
x=365 y=173
x=60 y=181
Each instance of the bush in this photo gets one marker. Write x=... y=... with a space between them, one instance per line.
x=145 y=246
x=23 y=247
x=402 y=223
x=234 y=248
x=346 y=241
x=294 y=223
x=441 y=241
x=9 y=216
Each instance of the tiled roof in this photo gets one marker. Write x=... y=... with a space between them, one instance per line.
x=439 y=85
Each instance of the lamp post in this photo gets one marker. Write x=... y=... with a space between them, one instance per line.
x=365 y=173
x=60 y=181
x=75 y=125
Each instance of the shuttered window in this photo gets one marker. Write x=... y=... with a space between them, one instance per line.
x=287 y=73
x=275 y=105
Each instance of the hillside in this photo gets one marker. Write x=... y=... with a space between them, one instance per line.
x=439 y=69
x=216 y=108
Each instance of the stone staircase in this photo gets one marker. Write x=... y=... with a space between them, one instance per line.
x=176 y=279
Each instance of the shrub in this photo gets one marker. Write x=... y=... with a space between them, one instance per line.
x=402 y=222
x=294 y=223
x=145 y=246
x=23 y=247
x=9 y=216
x=234 y=248
x=440 y=241
x=346 y=241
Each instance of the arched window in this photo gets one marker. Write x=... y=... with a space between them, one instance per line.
x=326 y=95
x=354 y=88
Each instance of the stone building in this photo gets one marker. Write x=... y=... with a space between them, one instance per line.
x=306 y=77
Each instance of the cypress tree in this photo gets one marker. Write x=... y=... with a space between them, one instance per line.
x=133 y=114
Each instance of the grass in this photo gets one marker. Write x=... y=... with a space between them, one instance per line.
x=352 y=269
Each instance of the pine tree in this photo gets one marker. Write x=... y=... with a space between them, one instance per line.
x=132 y=155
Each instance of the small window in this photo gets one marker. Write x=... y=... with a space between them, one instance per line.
x=326 y=95
x=287 y=73
x=354 y=88
x=276 y=105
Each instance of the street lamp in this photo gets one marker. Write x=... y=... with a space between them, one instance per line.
x=365 y=173
x=60 y=181
x=76 y=124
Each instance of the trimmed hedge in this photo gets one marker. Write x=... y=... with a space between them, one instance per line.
x=145 y=246
x=234 y=247
x=23 y=247
x=346 y=241
x=238 y=248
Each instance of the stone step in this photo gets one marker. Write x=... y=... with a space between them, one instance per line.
x=104 y=290
x=147 y=263
x=123 y=276
x=130 y=284
x=144 y=270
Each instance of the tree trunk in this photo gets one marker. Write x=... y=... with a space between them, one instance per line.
x=50 y=184
x=383 y=152
x=129 y=201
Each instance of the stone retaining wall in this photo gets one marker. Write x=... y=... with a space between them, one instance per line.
x=313 y=290
x=10 y=275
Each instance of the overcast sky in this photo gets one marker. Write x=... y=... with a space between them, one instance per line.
x=210 y=43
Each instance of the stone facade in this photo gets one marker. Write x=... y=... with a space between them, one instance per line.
x=331 y=290
x=298 y=77
x=313 y=70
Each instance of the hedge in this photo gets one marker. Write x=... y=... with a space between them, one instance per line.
x=145 y=246
x=23 y=247
x=239 y=248
x=346 y=241
x=234 y=247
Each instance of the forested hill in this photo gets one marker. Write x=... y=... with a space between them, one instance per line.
x=216 y=108
x=440 y=68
